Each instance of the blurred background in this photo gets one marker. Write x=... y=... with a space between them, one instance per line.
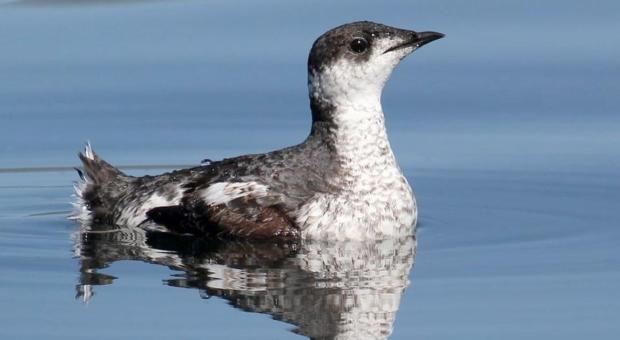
x=508 y=129
x=525 y=85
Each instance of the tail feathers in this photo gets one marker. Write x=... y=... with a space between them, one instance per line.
x=99 y=188
x=96 y=170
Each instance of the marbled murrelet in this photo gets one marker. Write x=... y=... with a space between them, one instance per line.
x=343 y=181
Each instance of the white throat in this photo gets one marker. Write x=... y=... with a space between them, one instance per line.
x=349 y=87
x=353 y=97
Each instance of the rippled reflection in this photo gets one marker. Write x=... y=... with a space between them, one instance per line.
x=344 y=290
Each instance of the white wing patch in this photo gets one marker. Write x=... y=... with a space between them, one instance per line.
x=133 y=216
x=224 y=192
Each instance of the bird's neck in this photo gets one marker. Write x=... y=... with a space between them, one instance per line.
x=355 y=134
x=347 y=116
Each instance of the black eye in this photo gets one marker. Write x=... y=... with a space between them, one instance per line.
x=358 y=45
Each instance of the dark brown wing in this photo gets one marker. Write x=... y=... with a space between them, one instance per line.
x=262 y=222
x=243 y=217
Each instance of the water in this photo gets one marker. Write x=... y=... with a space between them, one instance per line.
x=507 y=129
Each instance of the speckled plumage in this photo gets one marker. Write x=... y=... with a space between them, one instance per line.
x=343 y=181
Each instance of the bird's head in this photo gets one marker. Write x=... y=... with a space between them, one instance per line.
x=349 y=65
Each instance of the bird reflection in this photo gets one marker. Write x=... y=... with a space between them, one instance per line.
x=328 y=290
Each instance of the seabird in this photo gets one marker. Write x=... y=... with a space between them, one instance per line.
x=341 y=182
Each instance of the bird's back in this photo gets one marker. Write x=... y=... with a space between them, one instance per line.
x=252 y=195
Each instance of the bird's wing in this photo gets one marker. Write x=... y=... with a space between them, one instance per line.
x=234 y=208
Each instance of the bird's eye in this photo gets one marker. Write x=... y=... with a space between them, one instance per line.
x=358 y=45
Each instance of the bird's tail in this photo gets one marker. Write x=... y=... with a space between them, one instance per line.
x=96 y=169
x=100 y=187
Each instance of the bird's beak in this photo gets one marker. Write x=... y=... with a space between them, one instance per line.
x=416 y=40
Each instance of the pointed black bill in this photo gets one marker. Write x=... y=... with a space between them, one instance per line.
x=418 y=40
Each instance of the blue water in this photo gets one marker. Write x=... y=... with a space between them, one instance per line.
x=507 y=129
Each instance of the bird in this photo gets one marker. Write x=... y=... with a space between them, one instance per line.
x=341 y=182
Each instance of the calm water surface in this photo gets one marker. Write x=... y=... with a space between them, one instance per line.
x=507 y=129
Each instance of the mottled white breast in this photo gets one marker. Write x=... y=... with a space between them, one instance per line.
x=349 y=216
x=375 y=199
